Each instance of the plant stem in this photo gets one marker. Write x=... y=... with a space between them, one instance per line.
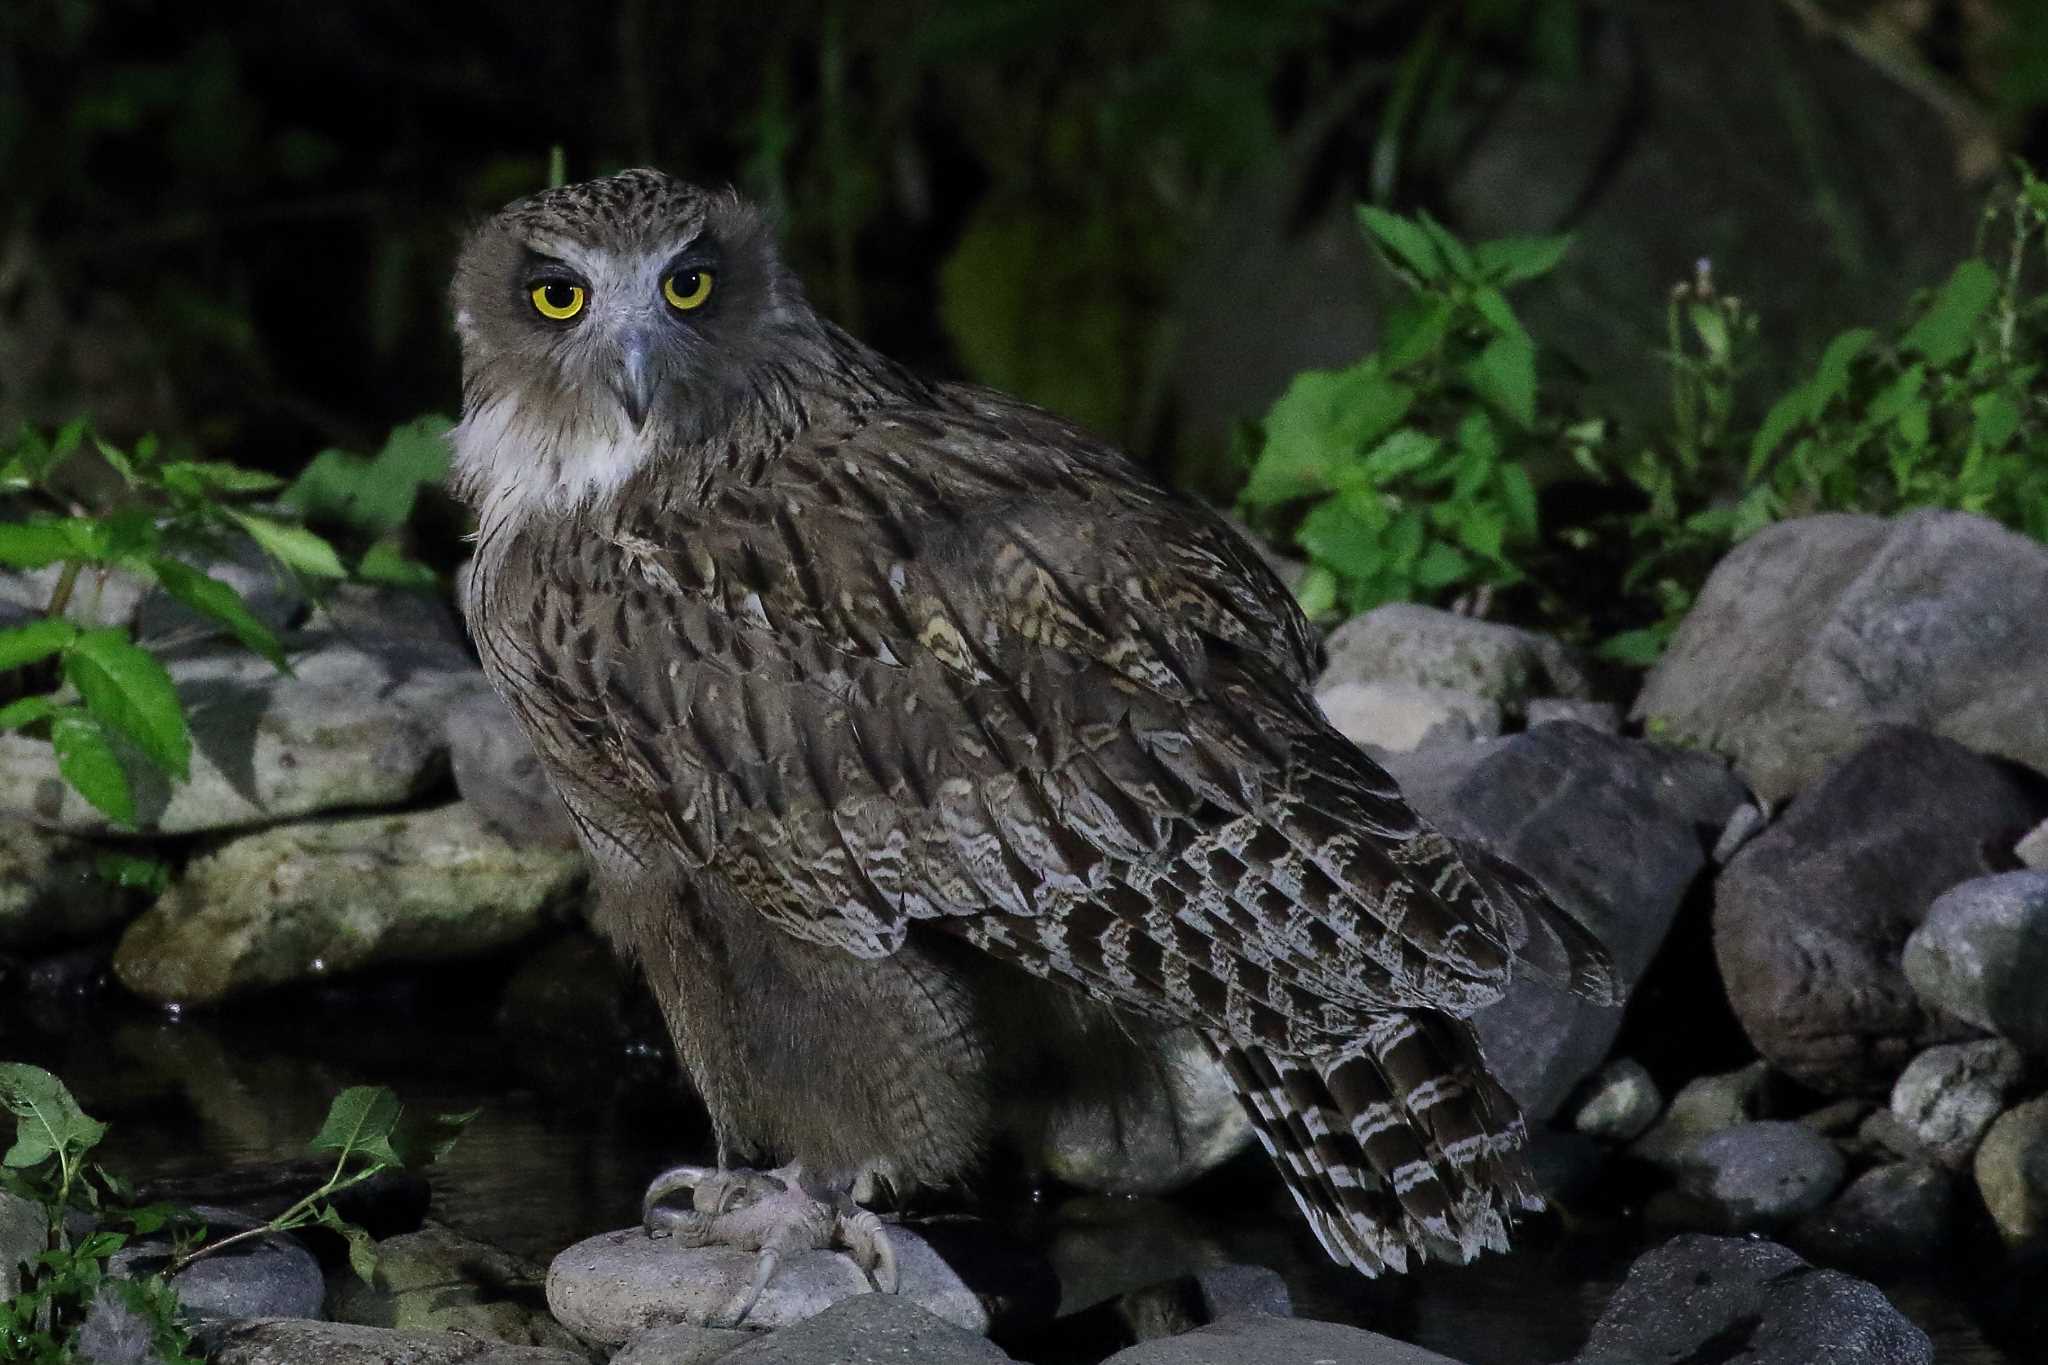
x=295 y=1216
x=60 y=596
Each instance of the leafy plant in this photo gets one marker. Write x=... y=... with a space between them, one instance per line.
x=1409 y=471
x=366 y=1129
x=1942 y=409
x=169 y=511
x=373 y=497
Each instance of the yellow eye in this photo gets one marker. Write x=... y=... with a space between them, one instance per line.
x=558 y=301
x=687 y=289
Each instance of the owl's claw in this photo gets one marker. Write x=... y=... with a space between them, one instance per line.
x=768 y=1211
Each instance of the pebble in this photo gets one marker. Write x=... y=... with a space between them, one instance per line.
x=1762 y=1174
x=1703 y=1106
x=1619 y=1103
x=1948 y=1095
x=1981 y=956
x=2012 y=1172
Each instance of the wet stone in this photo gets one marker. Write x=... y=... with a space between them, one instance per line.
x=608 y=1287
x=1982 y=954
x=1256 y=1339
x=1761 y=1175
x=1948 y=1096
x=265 y=1277
x=2012 y=1173
x=1619 y=1102
x=682 y=1343
x=438 y=1280
x=294 y=1341
x=1890 y=1217
x=1702 y=1106
x=870 y=1329
x=1700 y=1298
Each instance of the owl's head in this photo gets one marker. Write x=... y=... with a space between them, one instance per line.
x=604 y=322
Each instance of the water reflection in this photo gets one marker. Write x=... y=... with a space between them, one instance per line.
x=568 y=1136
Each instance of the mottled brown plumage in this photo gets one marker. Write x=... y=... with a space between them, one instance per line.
x=928 y=749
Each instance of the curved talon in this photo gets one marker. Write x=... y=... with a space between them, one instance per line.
x=689 y=1227
x=866 y=1239
x=671 y=1181
x=735 y=1311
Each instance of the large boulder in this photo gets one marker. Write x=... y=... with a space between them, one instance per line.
x=308 y=900
x=870 y=1329
x=1810 y=918
x=1616 y=831
x=296 y=1341
x=438 y=1280
x=1418 y=646
x=1704 y=1298
x=1812 y=631
x=1259 y=1339
x=497 y=771
x=1981 y=956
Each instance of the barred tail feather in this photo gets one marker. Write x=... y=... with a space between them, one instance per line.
x=1396 y=1145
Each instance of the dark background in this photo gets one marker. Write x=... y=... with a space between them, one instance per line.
x=232 y=222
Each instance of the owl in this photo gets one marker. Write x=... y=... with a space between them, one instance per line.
x=937 y=765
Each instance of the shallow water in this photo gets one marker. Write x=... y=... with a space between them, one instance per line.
x=567 y=1138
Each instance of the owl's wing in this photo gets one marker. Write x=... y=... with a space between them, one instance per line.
x=966 y=667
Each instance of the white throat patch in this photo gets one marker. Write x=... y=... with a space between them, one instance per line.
x=514 y=466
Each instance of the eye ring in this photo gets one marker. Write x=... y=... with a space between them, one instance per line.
x=687 y=289
x=556 y=300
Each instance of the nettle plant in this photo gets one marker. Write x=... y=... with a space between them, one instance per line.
x=69 y=1284
x=1407 y=475
x=1943 y=408
x=92 y=690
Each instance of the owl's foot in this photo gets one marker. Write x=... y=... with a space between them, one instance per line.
x=770 y=1212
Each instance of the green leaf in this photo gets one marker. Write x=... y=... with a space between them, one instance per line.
x=293 y=546
x=1518 y=494
x=129 y=691
x=1405 y=239
x=1404 y=452
x=1317 y=592
x=1831 y=376
x=1998 y=418
x=201 y=477
x=1511 y=260
x=86 y=759
x=1452 y=251
x=1494 y=307
x=32 y=544
x=384 y=562
x=1943 y=333
x=1414 y=329
x=1324 y=421
x=1483 y=530
x=1339 y=538
x=359 y=1122
x=24 y=711
x=362 y=1248
x=374 y=495
x=48 y=1119
x=1504 y=374
x=134 y=873
x=421 y=1142
x=1785 y=417
x=1638 y=647
x=36 y=640
x=212 y=598
x=1440 y=566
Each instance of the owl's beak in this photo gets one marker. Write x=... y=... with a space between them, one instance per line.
x=637 y=381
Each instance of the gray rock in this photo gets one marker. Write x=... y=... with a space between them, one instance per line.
x=265 y=1277
x=1603 y=716
x=497 y=771
x=1890 y=1217
x=1558 y=802
x=2012 y=1173
x=272 y=597
x=1722 y=1298
x=682 y=1343
x=1981 y=956
x=606 y=1288
x=1884 y=1136
x=1702 y=1107
x=1948 y=1095
x=1404 y=642
x=350 y=727
x=1619 y=1102
x=1401 y=716
x=1256 y=1339
x=1840 y=1119
x=1155 y=1142
x=1811 y=916
x=1749 y=820
x=1811 y=631
x=437 y=1280
x=49 y=892
x=24 y=1235
x=870 y=1329
x=1171 y=1307
x=302 y=901
x=418 y=628
x=2033 y=849
x=107 y=597
x=294 y=1341
x=1762 y=1174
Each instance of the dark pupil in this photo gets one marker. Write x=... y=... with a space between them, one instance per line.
x=686 y=285
x=560 y=296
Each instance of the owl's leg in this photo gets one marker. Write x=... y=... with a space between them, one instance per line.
x=770 y=1212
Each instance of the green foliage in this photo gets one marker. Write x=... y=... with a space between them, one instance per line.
x=1940 y=409
x=366 y=1130
x=1409 y=472
x=113 y=698
x=370 y=499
